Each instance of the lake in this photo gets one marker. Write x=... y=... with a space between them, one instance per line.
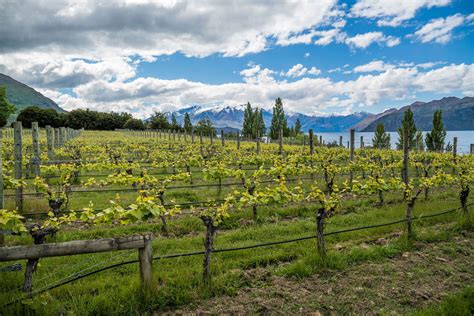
x=465 y=138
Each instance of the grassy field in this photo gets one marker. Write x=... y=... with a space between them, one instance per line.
x=178 y=283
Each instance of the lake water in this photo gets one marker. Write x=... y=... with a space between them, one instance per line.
x=465 y=138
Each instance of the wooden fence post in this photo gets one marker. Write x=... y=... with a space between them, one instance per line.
x=311 y=142
x=320 y=140
x=56 y=138
x=351 y=157
x=211 y=136
x=340 y=141
x=49 y=141
x=222 y=138
x=17 y=140
x=406 y=150
x=472 y=149
x=455 y=148
x=257 y=140
x=145 y=257
x=238 y=139
x=35 y=160
x=192 y=135
x=361 y=142
x=200 y=143
x=280 y=139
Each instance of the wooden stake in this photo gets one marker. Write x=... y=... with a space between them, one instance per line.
x=17 y=140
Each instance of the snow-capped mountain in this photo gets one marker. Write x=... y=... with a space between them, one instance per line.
x=233 y=116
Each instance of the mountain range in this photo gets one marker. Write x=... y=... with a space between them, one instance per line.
x=23 y=96
x=458 y=114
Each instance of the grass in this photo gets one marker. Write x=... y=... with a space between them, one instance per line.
x=177 y=282
x=459 y=304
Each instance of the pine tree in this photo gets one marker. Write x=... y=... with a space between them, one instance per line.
x=248 y=121
x=381 y=138
x=407 y=123
x=279 y=121
x=188 y=126
x=6 y=108
x=435 y=139
x=297 y=127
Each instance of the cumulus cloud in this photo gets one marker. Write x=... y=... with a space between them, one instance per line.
x=392 y=12
x=142 y=96
x=440 y=30
x=374 y=66
x=366 y=39
x=299 y=70
x=150 y=28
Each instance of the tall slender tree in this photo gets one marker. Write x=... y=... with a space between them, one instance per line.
x=297 y=127
x=188 y=126
x=435 y=139
x=279 y=120
x=258 y=125
x=381 y=138
x=407 y=123
x=248 y=121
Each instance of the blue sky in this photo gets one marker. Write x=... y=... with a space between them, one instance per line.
x=321 y=57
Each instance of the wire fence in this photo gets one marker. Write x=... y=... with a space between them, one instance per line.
x=82 y=274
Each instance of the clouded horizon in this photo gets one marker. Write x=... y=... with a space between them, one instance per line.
x=320 y=57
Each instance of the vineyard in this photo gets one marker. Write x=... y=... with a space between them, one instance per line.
x=204 y=213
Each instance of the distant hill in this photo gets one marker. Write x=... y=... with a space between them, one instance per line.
x=23 y=96
x=458 y=114
x=233 y=116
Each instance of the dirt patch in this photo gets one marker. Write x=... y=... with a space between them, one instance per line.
x=394 y=286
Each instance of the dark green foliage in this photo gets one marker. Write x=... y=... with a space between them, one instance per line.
x=419 y=144
x=159 y=121
x=93 y=120
x=42 y=116
x=205 y=126
x=188 y=126
x=253 y=125
x=248 y=121
x=134 y=124
x=381 y=138
x=297 y=128
x=174 y=123
x=279 y=121
x=407 y=123
x=6 y=108
x=435 y=139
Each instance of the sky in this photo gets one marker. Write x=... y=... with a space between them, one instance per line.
x=321 y=57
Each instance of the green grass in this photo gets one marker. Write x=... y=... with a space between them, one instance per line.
x=458 y=304
x=178 y=282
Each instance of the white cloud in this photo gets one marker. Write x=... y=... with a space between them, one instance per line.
x=97 y=29
x=142 y=96
x=439 y=30
x=374 y=66
x=392 y=12
x=299 y=70
x=366 y=39
x=306 y=55
x=255 y=75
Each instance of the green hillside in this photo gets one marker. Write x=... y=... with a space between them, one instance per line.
x=23 y=96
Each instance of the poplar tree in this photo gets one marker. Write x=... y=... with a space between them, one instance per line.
x=408 y=123
x=297 y=127
x=381 y=138
x=258 y=125
x=435 y=139
x=248 y=121
x=279 y=120
x=188 y=126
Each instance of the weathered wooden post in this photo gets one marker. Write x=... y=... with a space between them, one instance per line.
x=320 y=140
x=49 y=141
x=56 y=138
x=280 y=140
x=257 y=140
x=222 y=138
x=35 y=160
x=361 y=142
x=238 y=139
x=472 y=149
x=311 y=142
x=211 y=136
x=304 y=140
x=455 y=148
x=406 y=150
x=340 y=141
x=17 y=140
x=200 y=144
x=62 y=136
x=145 y=257
x=351 y=157
x=192 y=135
